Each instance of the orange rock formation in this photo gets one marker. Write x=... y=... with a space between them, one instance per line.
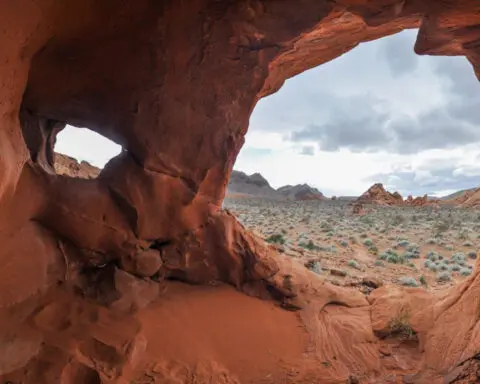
x=137 y=275
x=65 y=165
x=377 y=195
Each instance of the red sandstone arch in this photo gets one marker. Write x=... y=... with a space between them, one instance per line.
x=174 y=82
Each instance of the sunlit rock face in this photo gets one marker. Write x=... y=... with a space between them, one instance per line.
x=127 y=277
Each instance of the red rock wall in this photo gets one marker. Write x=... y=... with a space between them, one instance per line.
x=174 y=83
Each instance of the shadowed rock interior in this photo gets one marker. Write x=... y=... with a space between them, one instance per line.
x=138 y=275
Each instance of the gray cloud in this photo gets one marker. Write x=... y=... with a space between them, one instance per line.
x=308 y=150
x=398 y=51
x=381 y=97
x=357 y=123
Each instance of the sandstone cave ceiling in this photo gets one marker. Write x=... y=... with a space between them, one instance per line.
x=174 y=83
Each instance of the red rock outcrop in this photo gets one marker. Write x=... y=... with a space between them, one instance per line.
x=138 y=275
x=65 y=165
x=377 y=194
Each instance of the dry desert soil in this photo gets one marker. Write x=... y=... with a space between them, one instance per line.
x=411 y=246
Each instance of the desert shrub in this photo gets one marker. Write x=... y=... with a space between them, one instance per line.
x=449 y=247
x=413 y=248
x=459 y=258
x=433 y=267
x=411 y=255
x=427 y=263
x=465 y=272
x=467 y=244
x=314 y=266
x=472 y=255
x=363 y=235
x=343 y=243
x=379 y=263
x=276 y=239
x=400 y=325
x=395 y=259
x=310 y=245
x=352 y=263
x=403 y=243
x=442 y=267
x=431 y=241
x=408 y=281
x=454 y=267
x=368 y=242
x=433 y=256
x=353 y=240
x=373 y=250
x=444 y=276
x=398 y=219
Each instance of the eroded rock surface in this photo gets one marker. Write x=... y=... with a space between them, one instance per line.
x=65 y=165
x=174 y=84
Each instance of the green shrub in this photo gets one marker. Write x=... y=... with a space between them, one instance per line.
x=465 y=272
x=444 y=276
x=403 y=243
x=442 y=267
x=423 y=281
x=276 y=239
x=408 y=281
x=379 y=263
x=368 y=242
x=352 y=263
x=454 y=267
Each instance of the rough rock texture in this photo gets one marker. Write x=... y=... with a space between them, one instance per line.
x=174 y=83
x=470 y=199
x=377 y=194
x=301 y=192
x=65 y=165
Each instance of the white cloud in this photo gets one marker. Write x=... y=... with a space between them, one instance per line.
x=84 y=144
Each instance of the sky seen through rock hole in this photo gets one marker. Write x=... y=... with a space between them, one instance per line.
x=379 y=113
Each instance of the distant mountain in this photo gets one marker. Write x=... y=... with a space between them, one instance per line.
x=254 y=185
x=457 y=194
x=301 y=192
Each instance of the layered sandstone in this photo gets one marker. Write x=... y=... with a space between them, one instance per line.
x=66 y=165
x=138 y=275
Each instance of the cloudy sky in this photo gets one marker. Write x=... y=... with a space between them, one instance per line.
x=379 y=113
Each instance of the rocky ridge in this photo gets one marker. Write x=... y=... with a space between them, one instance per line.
x=301 y=192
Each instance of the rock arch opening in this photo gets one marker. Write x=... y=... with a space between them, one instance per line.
x=174 y=83
x=80 y=152
x=389 y=134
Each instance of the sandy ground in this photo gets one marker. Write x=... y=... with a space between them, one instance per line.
x=430 y=247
